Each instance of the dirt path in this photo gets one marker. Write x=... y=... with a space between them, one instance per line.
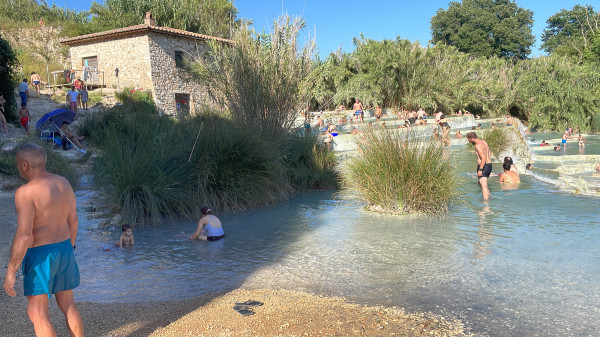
x=37 y=108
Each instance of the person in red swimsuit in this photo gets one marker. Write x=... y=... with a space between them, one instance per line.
x=24 y=116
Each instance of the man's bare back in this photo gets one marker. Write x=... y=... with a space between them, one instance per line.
x=482 y=150
x=509 y=177
x=51 y=201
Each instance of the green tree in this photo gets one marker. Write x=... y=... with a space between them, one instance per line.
x=212 y=17
x=8 y=61
x=574 y=33
x=485 y=28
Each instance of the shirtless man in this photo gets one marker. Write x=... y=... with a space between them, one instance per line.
x=378 y=112
x=44 y=242
x=357 y=107
x=484 y=163
x=36 y=80
x=566 y=136
x=509 y=176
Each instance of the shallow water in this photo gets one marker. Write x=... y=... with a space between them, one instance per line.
x=525 y=263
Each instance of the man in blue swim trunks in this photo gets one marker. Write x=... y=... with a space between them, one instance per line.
x=357 y=107
x=44 y=243
x=566 y=135
x=484 y=162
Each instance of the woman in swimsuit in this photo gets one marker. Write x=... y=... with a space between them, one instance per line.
x=209 y=227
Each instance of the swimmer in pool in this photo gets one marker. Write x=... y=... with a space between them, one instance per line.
x=484 y=162
x=209 y=227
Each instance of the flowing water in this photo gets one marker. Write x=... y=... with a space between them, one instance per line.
x=526 y=263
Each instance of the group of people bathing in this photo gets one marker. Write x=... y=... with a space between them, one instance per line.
x=44 y=243
x=510 y=174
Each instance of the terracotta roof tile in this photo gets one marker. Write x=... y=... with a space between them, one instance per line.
x=136 y=29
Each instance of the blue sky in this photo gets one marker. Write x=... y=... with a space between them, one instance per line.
x=335 y=23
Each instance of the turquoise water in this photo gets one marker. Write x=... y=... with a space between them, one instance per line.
x=525 y=263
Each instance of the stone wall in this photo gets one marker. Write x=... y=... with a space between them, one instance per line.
x=168 y=78
x=129 y=53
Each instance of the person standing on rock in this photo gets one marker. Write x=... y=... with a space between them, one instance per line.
x=484 y=162
x=44 y=243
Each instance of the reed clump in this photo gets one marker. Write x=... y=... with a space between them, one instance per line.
x=402 y=174
x=155 y=167
x=497 y=140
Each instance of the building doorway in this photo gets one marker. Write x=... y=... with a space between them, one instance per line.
x=90 y=70
x=182 y=103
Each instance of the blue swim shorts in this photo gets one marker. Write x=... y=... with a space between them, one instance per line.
x=50 y=269
x=564 y=141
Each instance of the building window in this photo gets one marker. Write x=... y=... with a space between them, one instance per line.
x=179 y=60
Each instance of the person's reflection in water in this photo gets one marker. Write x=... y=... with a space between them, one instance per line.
x=485 y=236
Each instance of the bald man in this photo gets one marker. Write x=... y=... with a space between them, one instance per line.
x=44 y=243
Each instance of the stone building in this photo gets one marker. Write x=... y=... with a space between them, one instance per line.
x=147 y=57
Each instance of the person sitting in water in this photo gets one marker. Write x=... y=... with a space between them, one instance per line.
x=332 y=128
x=528 y=167
x=327 y=139
x=557 y=148
x=354 y=131
x=378 y=112
x=544 y=143
x=126 y=238
x=458 y=134
x=209 y=227
x=509 y=176
x=509 y=161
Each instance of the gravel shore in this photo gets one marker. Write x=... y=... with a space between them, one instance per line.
x=284 y=313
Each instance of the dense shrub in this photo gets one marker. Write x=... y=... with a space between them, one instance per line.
x=155 y=166
x=8 y=62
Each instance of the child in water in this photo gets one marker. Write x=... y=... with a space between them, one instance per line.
x=126 y=237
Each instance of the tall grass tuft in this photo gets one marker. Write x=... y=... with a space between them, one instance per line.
x=402 y=174
x=310 y=165
x=235 y=167
x=140 y=167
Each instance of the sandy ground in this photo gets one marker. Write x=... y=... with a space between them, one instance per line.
x=284 y=313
